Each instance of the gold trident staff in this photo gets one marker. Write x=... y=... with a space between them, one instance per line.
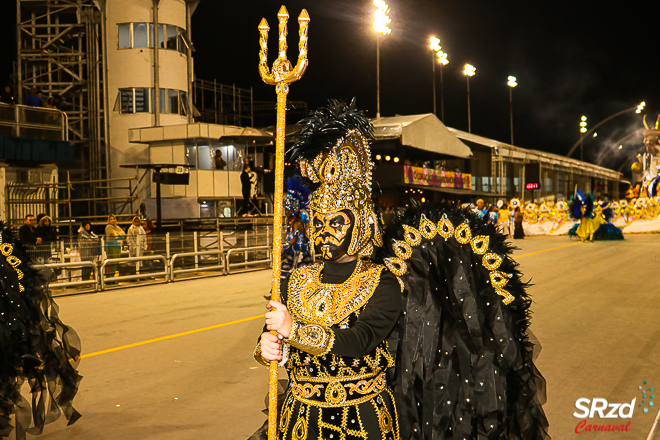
x=281 y=76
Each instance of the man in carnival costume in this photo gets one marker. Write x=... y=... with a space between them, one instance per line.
x=438 y=295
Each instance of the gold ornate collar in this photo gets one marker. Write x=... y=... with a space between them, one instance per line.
x=312 y=301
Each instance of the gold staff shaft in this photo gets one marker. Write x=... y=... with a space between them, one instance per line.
x=281 y=76
x=277 y=248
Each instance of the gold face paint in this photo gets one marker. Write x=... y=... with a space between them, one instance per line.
x=331 y=233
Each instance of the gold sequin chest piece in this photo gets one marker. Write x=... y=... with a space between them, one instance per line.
x=329 y=393
x=311 y=301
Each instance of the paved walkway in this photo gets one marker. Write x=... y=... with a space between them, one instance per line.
x=595 y=313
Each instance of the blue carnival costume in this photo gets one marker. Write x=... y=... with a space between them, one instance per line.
x=296 y=250
x=595 y=220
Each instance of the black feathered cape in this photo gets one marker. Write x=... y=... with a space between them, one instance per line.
x=36 y=346
x=464 y=358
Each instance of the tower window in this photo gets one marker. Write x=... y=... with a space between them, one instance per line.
x=137 y=35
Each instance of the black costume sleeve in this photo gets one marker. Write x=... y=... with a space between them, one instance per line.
x=374 y=324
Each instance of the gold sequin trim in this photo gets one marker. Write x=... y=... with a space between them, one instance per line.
x=480 y=244
x=445 y=227
x=498 y=279
x=314 y=302
x=313 y=338
x=412 y=236
x=402 y=249
x=337 y=393
x=491 y=261
x=506 y=296
x=463 y=233
x=396 y=265
x=427 y=227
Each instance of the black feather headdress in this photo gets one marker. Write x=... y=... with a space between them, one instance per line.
x=325 y=126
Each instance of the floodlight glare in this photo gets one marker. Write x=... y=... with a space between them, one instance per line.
x=442 y=58
x=434 y=43
x=381 y=19
x=469 y=70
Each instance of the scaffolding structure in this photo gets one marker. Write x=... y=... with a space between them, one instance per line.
x=60 y=53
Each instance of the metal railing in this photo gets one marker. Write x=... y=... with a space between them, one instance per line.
x=103 y=280
x=221 y=260
x=247 y=262
x=219 y=252
x=33 y=122
x=75 y=264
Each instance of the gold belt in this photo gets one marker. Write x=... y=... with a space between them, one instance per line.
x=336 y=393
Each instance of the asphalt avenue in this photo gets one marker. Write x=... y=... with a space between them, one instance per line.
x=174 y=361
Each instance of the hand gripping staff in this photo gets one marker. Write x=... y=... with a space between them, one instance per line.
x=280 y=76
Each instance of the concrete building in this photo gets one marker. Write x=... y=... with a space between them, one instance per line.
x=418 y=156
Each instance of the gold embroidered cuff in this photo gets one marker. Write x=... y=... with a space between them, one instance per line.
x=314 y=339
x=257 y=355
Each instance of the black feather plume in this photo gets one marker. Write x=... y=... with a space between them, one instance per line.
x=325 y=126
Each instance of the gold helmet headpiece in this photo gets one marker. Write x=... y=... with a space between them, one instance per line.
x=332 y=149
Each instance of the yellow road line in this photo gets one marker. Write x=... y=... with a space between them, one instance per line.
x=515 y=257
x=164 y=338
x=251 y=318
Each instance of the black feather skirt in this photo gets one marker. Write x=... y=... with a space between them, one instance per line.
x=464 y=359
x=37 y=347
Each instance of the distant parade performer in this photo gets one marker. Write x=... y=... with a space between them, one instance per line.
x=594 y=220
x=296 y=250
x=418 y=333
x=37 y=347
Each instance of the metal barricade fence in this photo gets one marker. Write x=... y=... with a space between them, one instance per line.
x=78 y=264
x=93 y=261
x=262 y=257
x=116 y=278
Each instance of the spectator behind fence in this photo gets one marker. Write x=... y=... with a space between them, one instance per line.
x=113 y=237
x=137 y=241
x=518 y=231
x=32 y=99
x=149 y=228
x=48 y=236
x=503 y=220
x=7 y=96
x=89 y=246
x=26 y=233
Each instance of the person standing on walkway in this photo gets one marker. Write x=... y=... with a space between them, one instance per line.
x=48 y=236
x=503 y=220
x=518 y=231
x=26 y=233
x=88 y=246
x=137 y=241
x=113 y=237
x=246 y=190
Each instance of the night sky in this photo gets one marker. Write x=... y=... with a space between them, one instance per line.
x=570 y=58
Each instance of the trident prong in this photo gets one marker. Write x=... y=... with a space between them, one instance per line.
x=282 y=71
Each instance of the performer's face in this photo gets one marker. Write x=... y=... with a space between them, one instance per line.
x=331 y=233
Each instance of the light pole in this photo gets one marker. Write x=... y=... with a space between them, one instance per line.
x=469 y=70
x=511 y=83
x=638 y=109
x=443 y=61
x=583 y=130
x=381 y=20
x=434 y=45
